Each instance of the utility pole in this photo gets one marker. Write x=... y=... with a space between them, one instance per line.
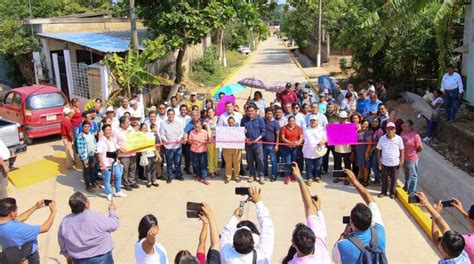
x=318 y=61
x=133 y=23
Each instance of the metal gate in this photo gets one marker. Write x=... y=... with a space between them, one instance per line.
x=81 y=80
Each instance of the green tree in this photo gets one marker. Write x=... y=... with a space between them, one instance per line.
x=131 y=72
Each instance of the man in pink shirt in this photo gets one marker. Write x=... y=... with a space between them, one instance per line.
x=469 y=237
x=287 y=96
x=198 y=139
x=128 y=160
x=413 y=145
x=309 y=243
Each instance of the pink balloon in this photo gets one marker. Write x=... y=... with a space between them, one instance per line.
x=221 y=105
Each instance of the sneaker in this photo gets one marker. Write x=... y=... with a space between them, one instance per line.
x=120 y=194
x=272 y=179
x=91 y=189
x=381 y=195
x=154 y=183
x=392 y=196
x=205 y=182
x=109 y=197
x=261 y=181
x=237 y=180
x=168 y=181
x=427 y=139
x=317 y=179
x=180 y=178
x=250 y=180
x=135 y=186
x=286 y=180
x=309 y=183
x=293 y=178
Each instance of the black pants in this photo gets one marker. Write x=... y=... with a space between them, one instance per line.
x=392 y=172
x=299 y=157
x=326 y=158
x=339 y=157
x=88 y=171
x=187 y=156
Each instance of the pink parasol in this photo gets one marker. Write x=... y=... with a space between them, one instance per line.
x=220 y=109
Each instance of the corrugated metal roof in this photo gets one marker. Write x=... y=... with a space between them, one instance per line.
x=107 y=42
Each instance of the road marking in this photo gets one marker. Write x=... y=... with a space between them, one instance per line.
x=38 y=171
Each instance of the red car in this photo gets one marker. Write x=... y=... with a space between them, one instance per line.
x=38 y=108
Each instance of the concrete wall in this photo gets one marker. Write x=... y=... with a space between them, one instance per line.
x=87 y=26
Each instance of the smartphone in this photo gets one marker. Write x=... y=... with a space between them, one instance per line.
x=346 y=219
x=111 y=155
x=340 y=174
x=412 y=198
x=193 y=209
x=315 y=198
x=242 y=190
x=285 y=167
x=448 y=203
x=47 y=202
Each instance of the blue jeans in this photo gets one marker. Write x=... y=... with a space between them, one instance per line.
x=431 y=128
x=375 y=166
x=289 y=155
x=268 y=151
x=410 y=168
x=255 y=155
x=452 y=104
x=107 y=178
x=102 y=259
x=313 y=167
x=199 y=161
x=173 y=162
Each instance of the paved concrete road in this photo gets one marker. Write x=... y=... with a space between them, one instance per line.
x=405 y=241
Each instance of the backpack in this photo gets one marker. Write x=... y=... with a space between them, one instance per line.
x=371 y=254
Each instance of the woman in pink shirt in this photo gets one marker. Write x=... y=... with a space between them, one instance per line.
x=198 y=139
x=413 y=145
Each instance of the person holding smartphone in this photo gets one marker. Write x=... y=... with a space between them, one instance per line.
x=15 y=233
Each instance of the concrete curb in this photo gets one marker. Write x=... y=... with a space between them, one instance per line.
x=301 y=69
x=415 y=211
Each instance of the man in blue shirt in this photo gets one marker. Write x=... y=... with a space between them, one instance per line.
x=254 y=132
x=371 y=106
x=272 y=134
x=15 y=233
x=362 y=101
x=363 y=220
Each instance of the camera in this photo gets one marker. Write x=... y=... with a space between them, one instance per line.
x=242 y=190
x=346 y=220
x=47 y=202
x=193 y=209
x=285 y=167
x=448 y=203
x=339 y=174
x=412 y=198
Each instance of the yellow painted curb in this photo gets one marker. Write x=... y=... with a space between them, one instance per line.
x=415 y=211
x=301 y=69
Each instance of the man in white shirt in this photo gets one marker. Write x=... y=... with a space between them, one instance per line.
x=241 y=245
x=390 y=153
x=124 y=108
x=161 y=114
x=172 y=132
x=4 y=169
x=453 y=90
x=229 y=112
x=174 y=104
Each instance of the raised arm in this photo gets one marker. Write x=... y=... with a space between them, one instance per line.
x=458 y=205
x=25 y=215
x=49 y=222
x=203 y=235
x=435 y=213
x=267 y=234
x=212 y=226
x=364 y=193
x=310 y=208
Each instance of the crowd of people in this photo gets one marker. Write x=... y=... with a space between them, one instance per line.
x=290 y=129
x=85 y=236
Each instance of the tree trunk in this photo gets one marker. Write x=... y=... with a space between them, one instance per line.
x=179 y=72
x=179 y=64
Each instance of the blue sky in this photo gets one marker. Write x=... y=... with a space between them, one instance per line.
x=281 y=1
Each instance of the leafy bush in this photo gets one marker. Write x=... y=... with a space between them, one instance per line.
x=207 y=68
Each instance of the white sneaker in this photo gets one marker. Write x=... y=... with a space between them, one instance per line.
x=109 y=197
x=426 y=139
x=120 y=194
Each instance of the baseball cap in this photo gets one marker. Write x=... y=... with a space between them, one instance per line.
x=363 y=91
x=133 y=102
x=322 y=94
x=313 y=117
x=305 y=90
x=343 y=114
x=193 y=93
x=307 y=85
x=390 y=124
x=110 y=109
x=326 y=91
x=67 y=110
x=152 y=108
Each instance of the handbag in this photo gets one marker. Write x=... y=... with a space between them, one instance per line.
x=143 y=160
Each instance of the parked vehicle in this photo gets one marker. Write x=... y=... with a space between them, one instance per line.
x=244 y=49
x=11 y=134
x=38 y=109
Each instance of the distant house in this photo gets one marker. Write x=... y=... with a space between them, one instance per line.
x=72 y=48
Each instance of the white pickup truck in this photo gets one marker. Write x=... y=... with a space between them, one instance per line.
x=12 y=136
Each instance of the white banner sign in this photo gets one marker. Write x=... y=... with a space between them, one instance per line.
x=230 y=137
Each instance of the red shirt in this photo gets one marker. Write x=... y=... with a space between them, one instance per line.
x=291 y=134
x=287 y=96
x=76 y=119
x=66 y=129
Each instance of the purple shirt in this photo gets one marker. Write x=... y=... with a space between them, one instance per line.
x=87 y=234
